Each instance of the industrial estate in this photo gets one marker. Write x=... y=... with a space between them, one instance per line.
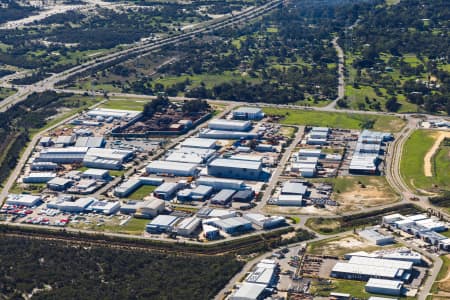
x=227 y=150
x=232 y=173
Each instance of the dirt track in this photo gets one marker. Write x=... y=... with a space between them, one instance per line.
x=427 y=166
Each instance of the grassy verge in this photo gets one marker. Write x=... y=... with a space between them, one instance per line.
x=337 y=119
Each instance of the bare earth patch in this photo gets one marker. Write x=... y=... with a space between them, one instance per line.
x=427 y=166
x=341 y=246
x=370 y=195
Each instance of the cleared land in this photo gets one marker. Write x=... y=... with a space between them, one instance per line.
x=353 y=194
x=412 y=163
x=133 y=226
x=342 y=245
x=356 y=193
x=337 y=120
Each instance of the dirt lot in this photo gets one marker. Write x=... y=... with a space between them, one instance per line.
x=362 y=192
x=307 y=210
x=341 y=246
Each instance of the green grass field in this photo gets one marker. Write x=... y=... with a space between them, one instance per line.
x=121 y=103
x=336 y=119
x=133 y=226
x=142 y=192
x=412 y=163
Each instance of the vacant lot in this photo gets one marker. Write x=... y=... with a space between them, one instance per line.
x=412 y=163
x=341 y=245
x=356 y=193
x=337 y=120
x=110 y=224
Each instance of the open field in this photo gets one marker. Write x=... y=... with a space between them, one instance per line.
x=412 y=163
x=342 y=245
x=121 y=103
x=337 y=120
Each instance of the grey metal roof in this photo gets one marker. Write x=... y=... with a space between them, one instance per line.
x=235 y=163
x=296 y=188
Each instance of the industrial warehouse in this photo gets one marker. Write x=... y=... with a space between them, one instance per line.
x=233 y=178
x=88 y=172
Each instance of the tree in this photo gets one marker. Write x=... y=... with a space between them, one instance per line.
x=392 y=104
x=157 y=105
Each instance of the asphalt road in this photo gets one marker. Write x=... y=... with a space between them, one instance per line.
x=26 y=154
x=341 y=75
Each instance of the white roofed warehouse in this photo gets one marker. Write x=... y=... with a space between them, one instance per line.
x=161 y=223
x=237 y=169
x=249 y=291
x=187 y=226
x=167 y=190
x=23 y=200
x=199 y=143
x=230 y=125
x=384 y=286
x=248 y=113
x=172 y=168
